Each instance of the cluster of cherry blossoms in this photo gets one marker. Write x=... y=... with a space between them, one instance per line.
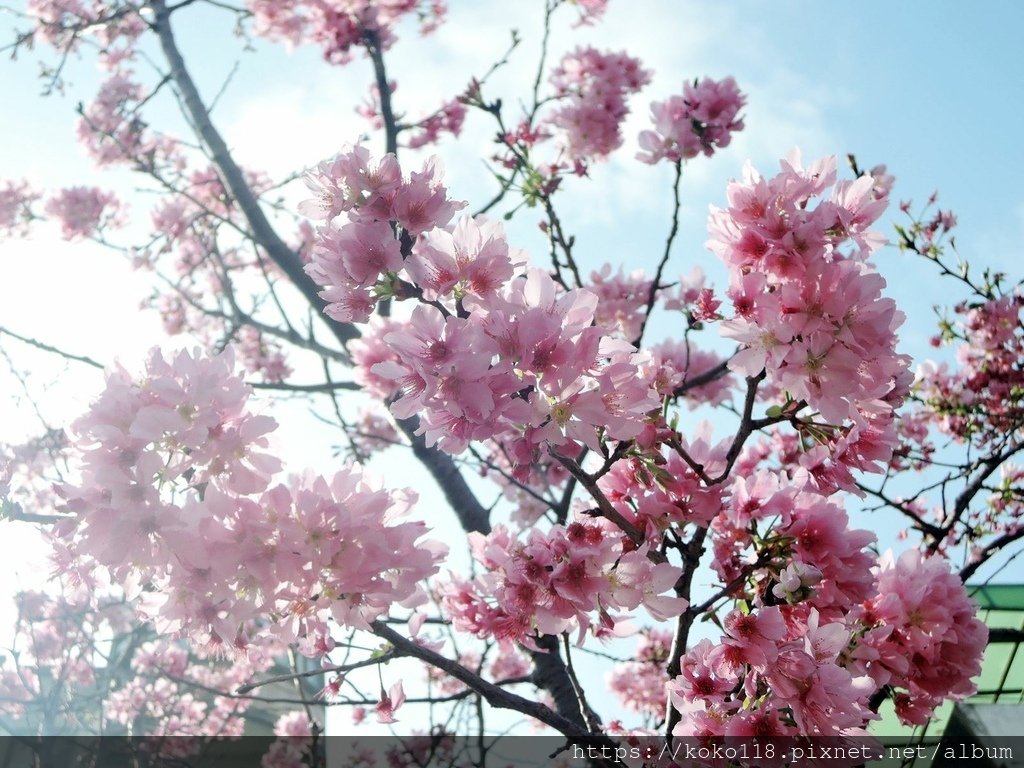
x=701 y=120
x=807 y=645
x=293 y=746
x=447 y=119
x=61 y=23
x=592 y=87
x=339 y=25
x=107 y=128
x=78 y=664
x=84 y=211
x=655 y=493
x=259 y=354
x=16 y=198
x=54 y=641
x=640 y=684
x=28 y=473
x=356 y=259
x=493 y=350
x=807 y=308
x=984 y=396
x=175 y=501
x=110 y=128
x=822 y=635
x=571 y=578
x=923 y=637
x=167 y=693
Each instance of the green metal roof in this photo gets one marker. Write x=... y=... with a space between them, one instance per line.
x=999 y=597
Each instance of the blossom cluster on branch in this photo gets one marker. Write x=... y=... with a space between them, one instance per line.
x=176 y=496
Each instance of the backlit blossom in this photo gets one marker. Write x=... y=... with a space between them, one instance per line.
x=83 y=211
x=176 y=494
x=699 y=121
x=594 y=87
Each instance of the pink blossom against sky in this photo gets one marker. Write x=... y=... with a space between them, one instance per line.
x=935 y=93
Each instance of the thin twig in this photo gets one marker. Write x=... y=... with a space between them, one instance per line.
x=84 y=359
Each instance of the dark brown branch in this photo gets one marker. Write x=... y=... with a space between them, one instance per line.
x=604 y=506
x=495 y=696
x=383 y=658
x=652 y=294
x=490 y=466
x=919 y=522
x=593 y=722
x=387 y=113
x=473 y=516
x=549 y=9
x=707 y=377
x=747 y=426
x=551 y=674
x=973 y=487
x=692 y=554
x=994 y=546
x=1005 y=635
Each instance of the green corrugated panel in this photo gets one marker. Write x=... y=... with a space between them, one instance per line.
x=1001 y=597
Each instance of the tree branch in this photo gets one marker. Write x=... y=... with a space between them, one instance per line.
x=387 y=112
x=994 y=546
x=973 y=487
x=262 y=231
x=495 y=696
x=473 y=516
x=652 y=294
x=47 y=348
x=382 y=659
x=607 y=510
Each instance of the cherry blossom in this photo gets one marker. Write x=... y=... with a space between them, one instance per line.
x=594 y=87
x=923 y=634
x=174 y=463
x=84 y=211
x=701 y=120
x=807 y=310
x=615 y=471
x=16 y=198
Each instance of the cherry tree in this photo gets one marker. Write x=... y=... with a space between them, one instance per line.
x=537 y=379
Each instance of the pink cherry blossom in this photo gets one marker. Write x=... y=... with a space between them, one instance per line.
x=84 y=211
x=175 y=494
x=389 y=703
x=807 y=308
x=924 y=634
x=594 y=87
x=16 y=198
x=701 y=120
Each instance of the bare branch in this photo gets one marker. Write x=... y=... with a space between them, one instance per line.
x=234 y=179
x=84 y=359
x=381 y=659
x=495 y=696
x=652 y=294
x=473 y=516
x=373 y=47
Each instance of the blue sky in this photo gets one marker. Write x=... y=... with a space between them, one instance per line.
x=934 y=90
